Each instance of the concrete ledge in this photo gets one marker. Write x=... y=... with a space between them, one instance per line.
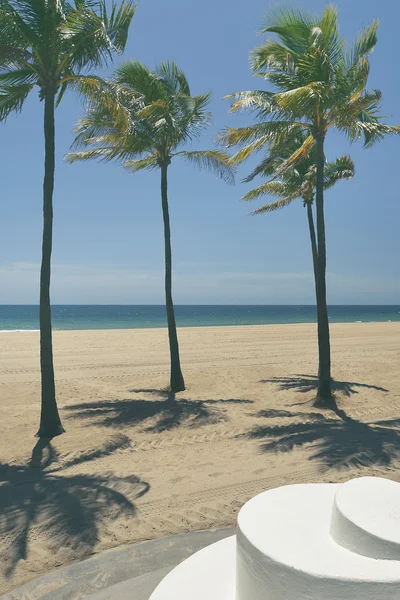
x=139 y=588
x=147 y=562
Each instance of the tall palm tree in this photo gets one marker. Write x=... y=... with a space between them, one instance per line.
x=49 y=44
x=318 y=85
x=163 y=117
x=297 y=181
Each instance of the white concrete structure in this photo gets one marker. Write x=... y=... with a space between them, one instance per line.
x=302 y=542
x=366 y=517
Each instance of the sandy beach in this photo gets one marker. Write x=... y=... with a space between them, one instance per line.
x=134 y=465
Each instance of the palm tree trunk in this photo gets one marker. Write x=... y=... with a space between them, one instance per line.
x=313 y=243
x=176 y=380
x=324 y=372
x=50 y=422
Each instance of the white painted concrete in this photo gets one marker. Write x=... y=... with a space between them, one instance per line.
x=285 y=550
x=206 y=575
x=366 y=517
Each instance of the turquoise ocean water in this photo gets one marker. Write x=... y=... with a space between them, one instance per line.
x=15 y=318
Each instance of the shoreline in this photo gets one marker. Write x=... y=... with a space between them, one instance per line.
x=134 y=317
x=186 y=327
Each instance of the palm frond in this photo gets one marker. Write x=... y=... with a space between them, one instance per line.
x=62 y=88
x=341 y=168
x=272 y=188
x=299 y=154
x=149 y=163
x=193 y=114
x=252 y=99
x=137 y=79
x=271 y=129
x=16 y=30
x=117 y=23
x=302 y=99
x=104 y=154
x=292 y=26
x=86 y=41
x=12 y=98
x=86 y=4
x=329 y=41
x=90 y=35
x=245 y=152
x=365 y=43
x=266 y=168
x=103 y=98
x=17 y=77
x=211 y=160
x=272 y=55
x=274 y=205
x=261 y=135
x=13 y=57
x=174 y=77
x=154 y=111
x=370 y=129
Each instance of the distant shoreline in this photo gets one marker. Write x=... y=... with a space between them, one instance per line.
x=155 y=329
x=99 y=317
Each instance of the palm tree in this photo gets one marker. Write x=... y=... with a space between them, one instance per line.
x=318 y=85
x=49 y=44
x=163 y=117
x=297 y=181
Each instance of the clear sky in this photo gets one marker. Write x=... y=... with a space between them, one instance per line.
x=108 y=236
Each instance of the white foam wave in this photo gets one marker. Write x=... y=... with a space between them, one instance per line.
x=17 y=330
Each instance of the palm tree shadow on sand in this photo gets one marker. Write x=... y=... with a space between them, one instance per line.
x=309 y=383
x=157 y=414
x=339 y=442
x=336 y=440
x=67 y=508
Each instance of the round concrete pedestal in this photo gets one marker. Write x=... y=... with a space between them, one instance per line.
x=302 y=542
x=366 y=517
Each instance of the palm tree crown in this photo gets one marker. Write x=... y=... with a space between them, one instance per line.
x=50 y=44
x=296 y=181
x=158 y=116
x=319 y=84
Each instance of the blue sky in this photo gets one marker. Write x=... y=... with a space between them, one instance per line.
x=108 y=245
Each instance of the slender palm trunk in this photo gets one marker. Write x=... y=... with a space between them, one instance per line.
x=324 y=372
x=176 y=380
x=313 y=243
x=50 y=423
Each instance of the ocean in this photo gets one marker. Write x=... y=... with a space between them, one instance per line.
x=75 y=317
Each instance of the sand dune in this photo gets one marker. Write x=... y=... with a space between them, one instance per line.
x=134 y=465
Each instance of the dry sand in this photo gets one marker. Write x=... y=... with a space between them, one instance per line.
x=132 y=467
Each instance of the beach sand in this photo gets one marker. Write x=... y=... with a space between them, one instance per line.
x=132 y=466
